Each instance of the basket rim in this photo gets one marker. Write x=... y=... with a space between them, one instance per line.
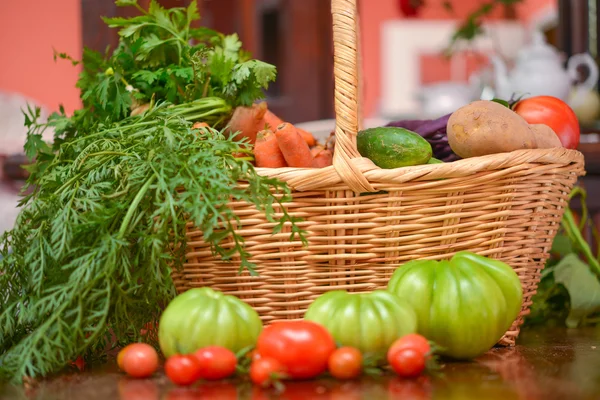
x=306 y=179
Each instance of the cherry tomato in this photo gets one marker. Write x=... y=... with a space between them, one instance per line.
x=345 y=363
x=216 y=362
x=412 y=341
x=121 y=354
x=302 y=347
x=264 y=369
x=408 y=363
x=140 y=360
x=182 y=370
x=553 y=112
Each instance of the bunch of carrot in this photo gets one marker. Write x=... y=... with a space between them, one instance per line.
x=277 y=143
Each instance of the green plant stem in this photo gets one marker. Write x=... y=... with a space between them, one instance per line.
x=134 y=206
x=574 y=233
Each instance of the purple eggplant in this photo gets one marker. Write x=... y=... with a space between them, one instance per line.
x=434 y=131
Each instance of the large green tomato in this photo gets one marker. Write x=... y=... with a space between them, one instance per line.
x=464 y=305
x=203 y=317
x=368 y=321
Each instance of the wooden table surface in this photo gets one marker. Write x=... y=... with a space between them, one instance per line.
x=546 y=364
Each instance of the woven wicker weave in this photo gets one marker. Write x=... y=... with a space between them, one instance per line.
x=507 y=206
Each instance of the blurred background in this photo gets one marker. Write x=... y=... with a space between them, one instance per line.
x=411 y=67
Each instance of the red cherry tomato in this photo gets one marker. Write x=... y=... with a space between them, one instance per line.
x=264 y=369
x=553 y=112
x=182 y=370
x=407 y=363
x=216 y=362
x=345 y=363
x=121 y=354
x=412 y=341
x=140 y=360
x=302 y=347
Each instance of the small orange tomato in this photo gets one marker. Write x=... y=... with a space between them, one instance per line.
x=345 y=363
x=140 y=360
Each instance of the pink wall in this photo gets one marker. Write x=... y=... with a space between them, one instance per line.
x=29 y=30
x=372 y=17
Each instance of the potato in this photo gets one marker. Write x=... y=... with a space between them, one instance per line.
x=485 y=127
x=545 y=137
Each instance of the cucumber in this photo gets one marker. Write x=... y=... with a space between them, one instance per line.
x=434 y=160
x=392 y=147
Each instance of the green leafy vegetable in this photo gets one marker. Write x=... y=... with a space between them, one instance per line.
x=160 y=55
x=569 y=291
x=104 y=224
x=583 y=288
x=95 y=243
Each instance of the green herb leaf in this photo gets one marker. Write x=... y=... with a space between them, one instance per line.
x=582 y=285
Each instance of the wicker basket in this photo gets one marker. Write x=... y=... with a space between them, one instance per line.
x=507 y=206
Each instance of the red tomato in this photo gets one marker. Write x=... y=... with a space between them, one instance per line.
x=216 y=362
x=264 y=369
x=407 y=363
x=302 y=347
x=345 y=363
x=121 y=354
x=140 y=360
x=412 y=341
x=553 y=112
x=182 y=370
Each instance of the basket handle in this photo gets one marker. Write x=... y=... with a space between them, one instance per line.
x=346 y=95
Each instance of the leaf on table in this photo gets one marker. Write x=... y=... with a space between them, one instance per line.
x=582 y=285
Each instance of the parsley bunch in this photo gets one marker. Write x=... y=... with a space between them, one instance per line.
x=161 y=56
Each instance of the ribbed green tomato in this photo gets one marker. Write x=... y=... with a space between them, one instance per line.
x=368 y=321
x=203 y=317
x=464 y=304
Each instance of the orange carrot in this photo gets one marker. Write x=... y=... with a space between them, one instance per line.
x=308 y=137
x=266 y=151
x=323 y=159
x=272 y=121
x=247 y=121
x=198 y=125
x=295 y=150
x=316 y=150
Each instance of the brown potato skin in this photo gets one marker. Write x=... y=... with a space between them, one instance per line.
x=485 y=127
x=545 y=136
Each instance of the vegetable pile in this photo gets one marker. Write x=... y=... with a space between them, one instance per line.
x=344 y=335
x=92 y=251
x=276 y=143
x=489 y=127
